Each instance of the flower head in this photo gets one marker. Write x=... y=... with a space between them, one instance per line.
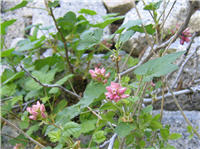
x=115 y=92
x=37 y=111
x=99 y=74
x=184 y=37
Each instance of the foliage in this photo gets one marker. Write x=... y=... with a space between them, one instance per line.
x=88 y=113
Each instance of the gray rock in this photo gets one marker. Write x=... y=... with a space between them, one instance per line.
x=119 y=6
x=177 y=16
x=178 y=125
x=41 y=16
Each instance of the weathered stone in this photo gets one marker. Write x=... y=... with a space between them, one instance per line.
x=178 y=125
x=42 y=17
x=177 y=16
x=118 y=6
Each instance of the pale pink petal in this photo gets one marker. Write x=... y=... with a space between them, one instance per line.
x=124 y=96
x=32 y=117
x=42 y=108
x=115 y=85
x=109 y=88
x=121 y=90
x=103 y=71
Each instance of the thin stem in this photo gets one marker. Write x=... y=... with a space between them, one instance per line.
x=62 y=38
x=22 y=132
x=179 y=107
x=162 y=102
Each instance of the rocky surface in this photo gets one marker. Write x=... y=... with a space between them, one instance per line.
x=41 y=16
x=177 y=16
x=118 y=6
x=178 y=125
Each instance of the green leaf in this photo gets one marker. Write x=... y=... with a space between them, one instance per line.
x=50 y=61
x=93 y=91
x=21 y=139
x=99 y=136
x=123 y=129
x=8 y=90
x=67 y=22
x=128 y=25
x=164 y=133
x=60 y=82
x=158 y=67
x=148 y=109
x=67 y=114
x=5 y=25
x=16 y=99
x=54 y=135
x=155 y=125
x=175 y=136
x=28 y=45
x=149 y=28
x=87 y=12
x=107 y=21
x=90 y=38
x=108 y=106
x=33 y=129
x=7 y=53
x=5 y=108
x=60 y=106
x=53 y=4
x=14 y=77
x=87 y=126
x=71 y=128
x=20 y=5
x=126 y=36
x=153 y=5
x=24 y=124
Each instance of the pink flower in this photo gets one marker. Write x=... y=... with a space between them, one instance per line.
x=37 y=111
x=99 y=74
x=18 y=146
x=116 y=92
x=184 y=36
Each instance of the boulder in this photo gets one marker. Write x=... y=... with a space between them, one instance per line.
x=179 y=125
x=118 y=6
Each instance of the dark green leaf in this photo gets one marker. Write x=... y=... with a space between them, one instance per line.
x=88 y=12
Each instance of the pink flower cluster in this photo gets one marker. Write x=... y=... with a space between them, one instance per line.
x=115 y=92
x=37 y=111
x=100 y=75
x=184 y=37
